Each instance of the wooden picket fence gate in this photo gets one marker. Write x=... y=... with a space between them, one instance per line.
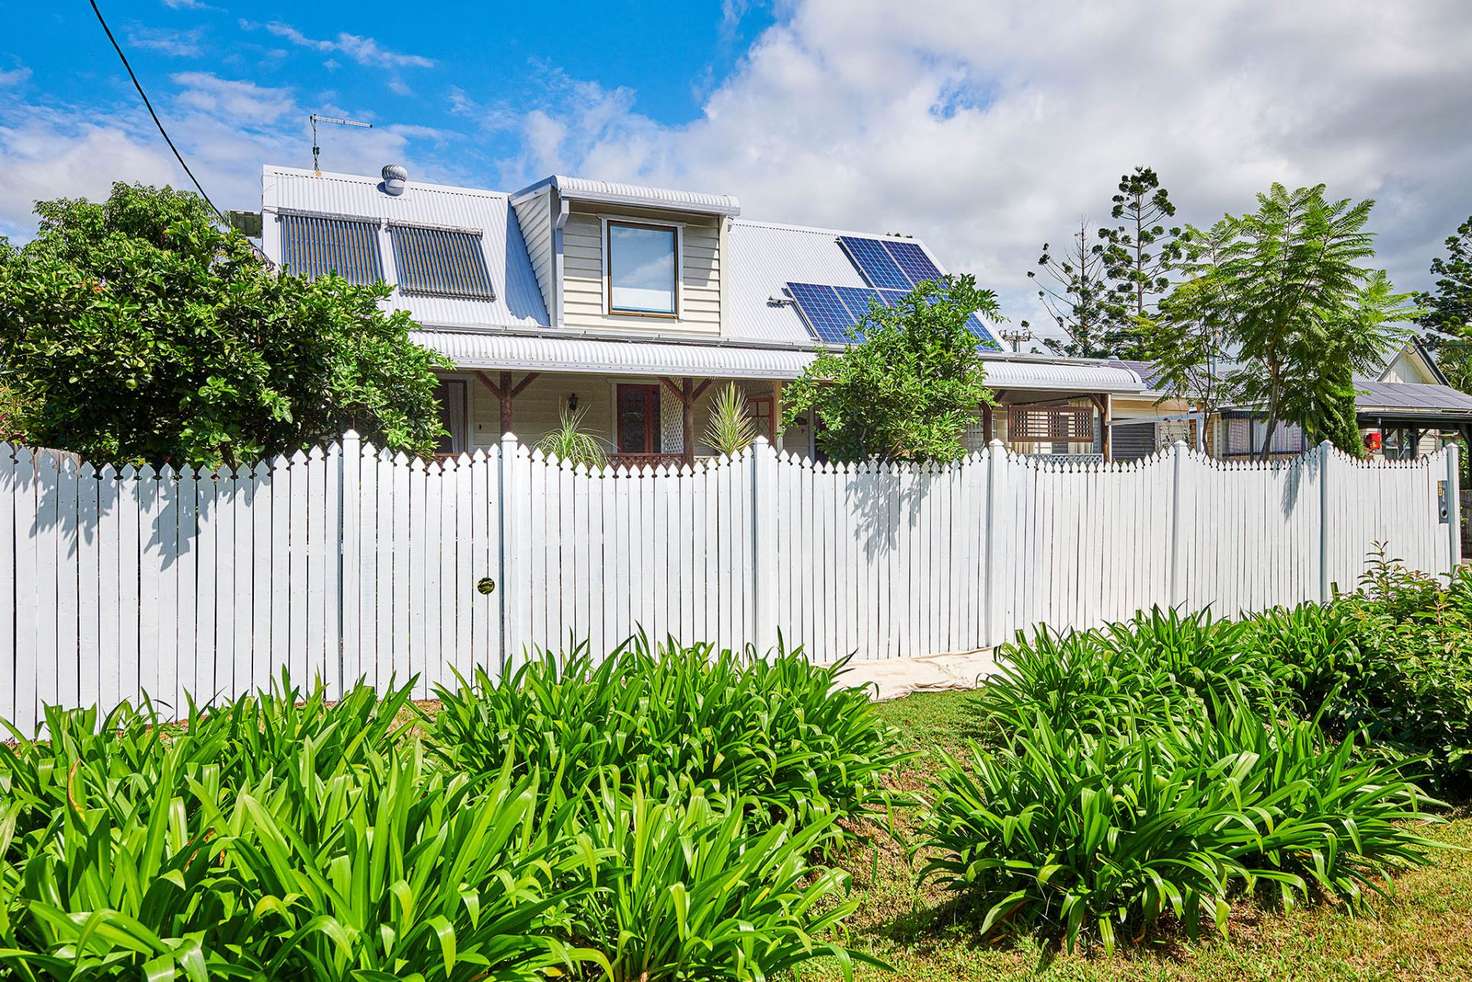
x=349 y=562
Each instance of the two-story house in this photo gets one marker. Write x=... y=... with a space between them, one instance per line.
x=632 y=303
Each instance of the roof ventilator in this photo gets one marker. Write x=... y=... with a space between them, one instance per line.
x=395 y=177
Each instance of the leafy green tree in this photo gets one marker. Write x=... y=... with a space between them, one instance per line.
x=1447 y=312
x=1286 y=290
x=139 y=330
x=1139 y=253
x=910 y=388
x=1188 y=334
x=1075 y=300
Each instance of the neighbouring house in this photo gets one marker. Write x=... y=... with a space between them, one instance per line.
x=1405 y=409
x=632 y=303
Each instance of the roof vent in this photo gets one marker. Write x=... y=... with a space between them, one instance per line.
x=395 y=176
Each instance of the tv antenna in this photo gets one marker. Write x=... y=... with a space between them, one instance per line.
x=1017 y=338
x=335 y=121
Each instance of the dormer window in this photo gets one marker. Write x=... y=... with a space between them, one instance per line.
x=643 y=268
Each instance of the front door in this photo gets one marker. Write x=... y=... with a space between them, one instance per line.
x=638 y=419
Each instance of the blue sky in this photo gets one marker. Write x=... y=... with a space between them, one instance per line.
x=987 y=127
x=454 y=76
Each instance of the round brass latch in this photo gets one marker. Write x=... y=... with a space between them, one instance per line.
x=486 y=585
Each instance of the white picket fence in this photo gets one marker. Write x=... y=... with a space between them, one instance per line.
x=352 y=562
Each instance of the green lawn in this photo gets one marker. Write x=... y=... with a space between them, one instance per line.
x=1423 y=932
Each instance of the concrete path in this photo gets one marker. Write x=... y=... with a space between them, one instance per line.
x=928 y=673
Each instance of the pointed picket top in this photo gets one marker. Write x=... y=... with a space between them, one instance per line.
x=478 y=457
x=108 y=473
x=147 y=473
x=416 y=464
x=86 y=472
x=186 y=473
x=316 y=453
x=333 y=451
x=537 y=456
x=167 y=473
x=450 y=465
x=369 y=451
x=298 y=458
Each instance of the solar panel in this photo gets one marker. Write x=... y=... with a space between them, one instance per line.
x=974 y=325
x=878 y=267
x=827 y=317
x=315 y=245
x=858 y=299
x=893 y=297
x=442 y=261
x=913 y=261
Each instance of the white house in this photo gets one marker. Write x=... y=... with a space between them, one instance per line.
x=631 y=302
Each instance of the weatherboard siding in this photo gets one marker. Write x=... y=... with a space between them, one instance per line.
x=583 y=299
x=535 y=217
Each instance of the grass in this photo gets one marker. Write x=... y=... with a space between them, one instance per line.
x=1424 y=931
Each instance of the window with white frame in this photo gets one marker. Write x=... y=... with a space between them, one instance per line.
x=643 y=268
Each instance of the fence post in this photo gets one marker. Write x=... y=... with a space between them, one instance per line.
x=764 y=543
x=1454 y=506
x=995 y=627
x=1178 y=462
x=1326 y=454
x=349 y=652
x=510 y=539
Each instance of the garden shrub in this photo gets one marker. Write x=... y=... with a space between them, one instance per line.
x=282 y=836
x=776 y=731
x=1097 y=833
x=1393 y=663
x=1086 y=681
x=691 y=888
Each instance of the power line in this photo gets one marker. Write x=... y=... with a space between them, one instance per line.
x=156 y=121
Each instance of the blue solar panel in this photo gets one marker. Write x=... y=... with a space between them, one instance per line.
x=827 y=317
x=973 y=323
x=913 y=261
x=893 y=297
x=858 y=299
x=874 y=262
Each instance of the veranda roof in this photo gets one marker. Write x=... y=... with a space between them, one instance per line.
x=546 y=352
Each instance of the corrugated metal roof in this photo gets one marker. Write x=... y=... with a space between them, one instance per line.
x=1021 y=372
x=614 y=192
x=553 y=353
x=1411 y=397
x=764 y=257
x=518 y=299
x=547 y=353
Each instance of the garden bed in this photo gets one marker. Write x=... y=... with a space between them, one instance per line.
x=1175 y=795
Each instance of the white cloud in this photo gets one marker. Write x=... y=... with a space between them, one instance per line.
x=363 y=50
x=180 y=44
x=14 y=76
x=187 y=5
x=245 y=102
x=989 y=127
x=226 y=129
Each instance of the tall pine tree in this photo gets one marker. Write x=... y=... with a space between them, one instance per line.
x=1138 y=255
x=1075 y=301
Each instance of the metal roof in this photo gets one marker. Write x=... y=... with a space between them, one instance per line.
x=1074 y=375
x=636 y=195
x=764 y=257
x=518 y=299
x=550 y=353
x=1415 y=397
